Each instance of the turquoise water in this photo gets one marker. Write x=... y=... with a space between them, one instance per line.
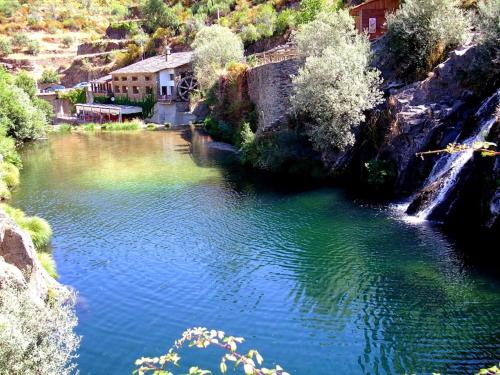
x=159 y=231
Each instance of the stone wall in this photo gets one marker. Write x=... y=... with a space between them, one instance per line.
x=269 y=88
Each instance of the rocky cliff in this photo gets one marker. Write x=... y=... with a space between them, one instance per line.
x=446 y=107
x=19 y=263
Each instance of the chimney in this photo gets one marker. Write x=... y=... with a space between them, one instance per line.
x=167 y=53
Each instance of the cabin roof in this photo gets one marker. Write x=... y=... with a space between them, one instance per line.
x=157 y=63
x=383 y=4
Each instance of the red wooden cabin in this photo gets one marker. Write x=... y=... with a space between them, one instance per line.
x=370 y=16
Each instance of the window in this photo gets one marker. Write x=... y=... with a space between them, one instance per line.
x=134 y=78
x=135 y=90
x=115 y=78
x=172 y=77
x=149 y=90
x=117 y=88
x=124 y=89
x=124 y=78
x=147 y=78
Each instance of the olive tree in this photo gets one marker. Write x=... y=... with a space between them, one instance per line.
x=37 y=338
x=335 y=86
x=214 y=47
x=421 y=32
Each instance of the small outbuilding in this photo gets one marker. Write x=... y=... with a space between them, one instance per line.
x=106 y=112
x=370 y=16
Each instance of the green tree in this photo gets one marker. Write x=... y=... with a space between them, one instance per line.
x=49 y=76
x=421 y=32
x=336 y=85
x=8 y=7
x=158 y=14
x=286 y=20
x=214 y=47
x=309 y=9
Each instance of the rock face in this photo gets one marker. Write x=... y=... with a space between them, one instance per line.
x=18 y=260
x=270 y=88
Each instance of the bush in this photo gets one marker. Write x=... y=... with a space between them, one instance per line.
x=336 y=85
x=27 y=83
x=8 y=7
x=248 y=148
x=421 y=32
x=68 y=41
x=380 y=173
x=90 y=127
x=309 y=9
x=214 y=47
x=8 y=148
x=38 y=228
x=20 y=40
x=285 y=21
x=249 y=34
x=33 y=47
x=265 y=20
x=37 y=338
x=5 y=46
x=218 y=130
x=9 y=174
x=74 y=96
x=49 y=76
x=486 y=68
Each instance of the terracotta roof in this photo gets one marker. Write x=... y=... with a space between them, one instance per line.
x=157 y=63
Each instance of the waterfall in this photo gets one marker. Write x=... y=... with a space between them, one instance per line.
x=447 y=169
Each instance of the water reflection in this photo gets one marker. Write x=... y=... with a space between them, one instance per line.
x=159 y=232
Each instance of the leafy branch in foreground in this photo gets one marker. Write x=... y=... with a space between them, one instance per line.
x=202 y=338
x=483 y=147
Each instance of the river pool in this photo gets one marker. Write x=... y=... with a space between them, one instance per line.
x=160 y=231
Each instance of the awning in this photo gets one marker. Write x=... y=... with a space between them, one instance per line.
x=112 y=109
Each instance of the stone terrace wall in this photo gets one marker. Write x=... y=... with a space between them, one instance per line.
x=269 y=88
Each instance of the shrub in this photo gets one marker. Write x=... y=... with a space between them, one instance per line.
x=74 y=96
x=265 y=20
x=8 y=148
x=27 y=83
x=33 y=47
x=5 y=193
x=421 y=32
x=37 y=338
x=20 y=40
x=68 y=41
x=309 y=9
x=214 y=47
x=48 y=264
x=5 y=46
x=248 y=148
x=49 y=76
x=249 y=34
x=336 y=86
x=218 y=130
x=486 y=68
x=285 y=21
x=9 y=174
x=8 y=7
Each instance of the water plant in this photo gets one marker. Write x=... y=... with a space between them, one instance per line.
x=64 y=128
x=116 y=126
x=202 y=338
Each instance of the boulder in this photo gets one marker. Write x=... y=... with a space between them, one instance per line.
x=18 y=260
